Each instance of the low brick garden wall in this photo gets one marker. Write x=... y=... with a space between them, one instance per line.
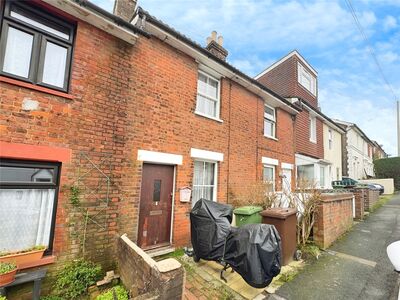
x=146 y=278
x=371 y=198
x=334 y=217
x=360 y=195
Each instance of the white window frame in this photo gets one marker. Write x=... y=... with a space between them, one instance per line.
x=273 y=174
x=304 y=76
x=217 y=100
x=330 y=139
x=215 y=178
x=272 y=119
x=313 y=128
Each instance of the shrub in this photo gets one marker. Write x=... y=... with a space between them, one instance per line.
x=6 y=267
x=120 y=292
x=3 y=297
x=388 y=168
x=51 y=298
x=75 y=278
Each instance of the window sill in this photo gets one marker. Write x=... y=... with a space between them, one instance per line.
x=45 y=260
x=271 y=137
x=314 y=142
x=208 y=117
x=35 y=87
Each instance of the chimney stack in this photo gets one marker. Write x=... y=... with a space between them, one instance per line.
x=125 y=9
x=214 y=46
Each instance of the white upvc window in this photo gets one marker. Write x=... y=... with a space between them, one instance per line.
x=269 y=121
x=208 y=96
x=204 y=181
x=330 y=139
x=306 y=79
x=322 y=180
x=313 y=129
x=269 y=176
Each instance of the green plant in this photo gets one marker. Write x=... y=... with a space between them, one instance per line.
x=388 y=168
x=51 y=297
x=120 y=292
x=74 y=279
x=74 y=195
x=3 y=298
x=6 y=267
x=34 y=248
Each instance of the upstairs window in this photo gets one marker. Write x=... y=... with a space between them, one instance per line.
x=269 y=122
x=330 y=139
x=208 y=98
x=313 y=129
x=28 y=200
x=306 y=79
x=35 y=46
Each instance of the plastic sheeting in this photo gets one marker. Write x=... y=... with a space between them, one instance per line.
x=253 y=251
x=210 y=224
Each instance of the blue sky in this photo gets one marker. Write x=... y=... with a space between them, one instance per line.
x=259 y=32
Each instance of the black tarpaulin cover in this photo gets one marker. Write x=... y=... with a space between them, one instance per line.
x=254 y=251
x=210 y=225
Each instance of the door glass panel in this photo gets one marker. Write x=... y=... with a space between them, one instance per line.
x=157 y=190
x=55 y=61
x=17 y=57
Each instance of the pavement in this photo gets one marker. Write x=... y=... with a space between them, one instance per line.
x=356 y=266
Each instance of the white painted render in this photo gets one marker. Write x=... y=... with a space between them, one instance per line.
x=159 y=157
x=332 y=153
x=206 y=155
x=359 y=161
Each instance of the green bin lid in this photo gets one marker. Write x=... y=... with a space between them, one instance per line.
x=247 y=210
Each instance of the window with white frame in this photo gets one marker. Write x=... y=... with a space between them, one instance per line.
x=330 y=139
x=306 y=79
x=269 y=121
x=28 y=198
x=269 y=176
x=313 y=129
x=208 y=96
x=322 y=176
x=204 y=181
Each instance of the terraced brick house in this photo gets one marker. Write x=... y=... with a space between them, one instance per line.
x=117 y=123
x=293 y=78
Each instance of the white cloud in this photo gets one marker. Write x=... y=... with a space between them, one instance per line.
x=389 y=23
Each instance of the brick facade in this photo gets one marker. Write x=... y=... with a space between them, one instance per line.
x=283 y=79
x=126 y=98
x=333 y=218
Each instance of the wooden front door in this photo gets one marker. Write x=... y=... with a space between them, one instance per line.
x=155 y=206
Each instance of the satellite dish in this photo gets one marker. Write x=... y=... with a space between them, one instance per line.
x=393 y=252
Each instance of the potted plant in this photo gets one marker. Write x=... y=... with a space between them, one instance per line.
x=7 y=272
x=23 y=257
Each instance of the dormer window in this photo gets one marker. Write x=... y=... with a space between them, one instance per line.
x=306 y=79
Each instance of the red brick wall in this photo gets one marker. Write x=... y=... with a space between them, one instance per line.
x=126 y=98
x=163 y=119
x=302 y=136
x=333 y=218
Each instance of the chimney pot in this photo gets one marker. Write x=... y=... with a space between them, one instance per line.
x=214 y=35
x=221 y=40
x=209 y=39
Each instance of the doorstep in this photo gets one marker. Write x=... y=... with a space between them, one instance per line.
x=160 y=251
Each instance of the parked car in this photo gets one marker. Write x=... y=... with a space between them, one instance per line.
x=348 y=182
x=377 y=187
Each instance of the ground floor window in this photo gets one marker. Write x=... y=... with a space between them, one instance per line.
x=269 y=176
x=28 y=197
x=204 y=181
x=305 y=173
x=322 y=180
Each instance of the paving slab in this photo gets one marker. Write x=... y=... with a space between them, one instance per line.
x=357 y=267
